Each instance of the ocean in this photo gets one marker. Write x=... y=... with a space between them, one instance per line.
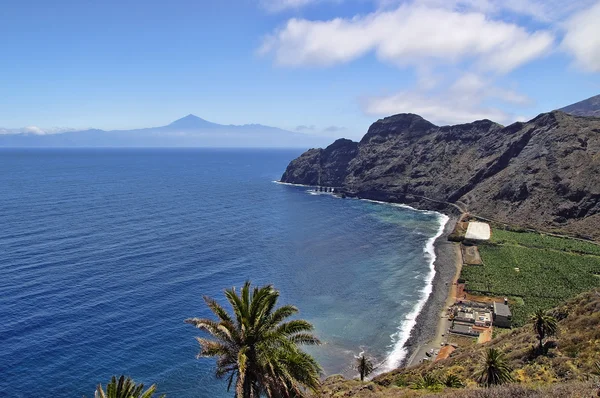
x=104 y=253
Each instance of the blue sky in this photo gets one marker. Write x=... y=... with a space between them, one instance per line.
x=332 y=66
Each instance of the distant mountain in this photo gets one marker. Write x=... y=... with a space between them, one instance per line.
x=191 y=122
x=189 y=131
x=588 y=107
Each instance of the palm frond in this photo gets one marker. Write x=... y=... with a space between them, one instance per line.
x=217 y=309
x=304 y=339
x=255 y=346
x=125 y=388
x=293 y=327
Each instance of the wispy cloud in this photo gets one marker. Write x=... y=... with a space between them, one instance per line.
x=541 y=10
x=582 y=38
x=466 y=99
x=305 y=128
x=484 y=39
x=334 y=129
x=36 y=130
x=409 y=35
x=439 y=109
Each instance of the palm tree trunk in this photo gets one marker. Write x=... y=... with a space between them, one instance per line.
x=247 y=388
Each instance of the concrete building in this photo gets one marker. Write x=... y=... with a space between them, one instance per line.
x=478 y=231
x=502 y=315
x=483 y=318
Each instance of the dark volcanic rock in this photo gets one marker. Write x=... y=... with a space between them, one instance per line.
x=588 y=107
x=543 y=174
x=323 y=167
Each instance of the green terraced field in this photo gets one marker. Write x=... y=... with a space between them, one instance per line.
x=532 y=239
x=533 y=270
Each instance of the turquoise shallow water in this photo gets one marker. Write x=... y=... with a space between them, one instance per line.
x=104 y=253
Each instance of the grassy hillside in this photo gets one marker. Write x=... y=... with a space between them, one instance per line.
x=336 y=387
x=533 y=270
x=577 y=349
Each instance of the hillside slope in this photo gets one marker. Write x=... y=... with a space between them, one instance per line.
x=543 y=174
x=572 y=360
x=588 y=107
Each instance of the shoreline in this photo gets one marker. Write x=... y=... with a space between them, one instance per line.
x=430 y=323
x=400 y=351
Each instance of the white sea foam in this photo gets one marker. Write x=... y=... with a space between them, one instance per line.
x=293 y=185
x=400 y=338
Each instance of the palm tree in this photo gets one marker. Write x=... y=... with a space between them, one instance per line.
x=452 y=381
x=124 y=388
x=256 y=347
x=495 y=370
x=364 y=366
x=427 y=381
x=543 y=326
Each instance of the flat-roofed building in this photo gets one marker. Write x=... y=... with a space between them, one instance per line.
x=502 y=315
x=478 y=231
x=483 y=318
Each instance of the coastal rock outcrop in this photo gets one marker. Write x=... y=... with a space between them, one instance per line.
x=543 y=174
x=322 y=167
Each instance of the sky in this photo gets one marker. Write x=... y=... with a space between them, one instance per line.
x=327 y=67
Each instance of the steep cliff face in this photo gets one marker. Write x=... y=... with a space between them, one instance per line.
x=543 y=174
x=554 y=180
x=324 y=167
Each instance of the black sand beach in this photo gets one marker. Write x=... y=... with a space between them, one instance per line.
x=445 y=270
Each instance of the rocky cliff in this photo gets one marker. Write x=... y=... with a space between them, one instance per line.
x=588 y=107
x=543 y=174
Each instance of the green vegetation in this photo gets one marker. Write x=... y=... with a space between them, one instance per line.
x=495 y=370
x=452 y=381
x=124 y=388
x=364 y=366
x=539 y=240
x=256 y=347
x=428 y=382
x=535 y=271
x=576 y=350
x=255 y=340
x=544 y=326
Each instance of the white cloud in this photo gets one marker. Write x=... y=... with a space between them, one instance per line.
x=437 y=109
x=461 y=102
x=33 y=130
x=582 y=38
x=411 y=34
x=36 y=130
x=470 y=86
x=540 y=10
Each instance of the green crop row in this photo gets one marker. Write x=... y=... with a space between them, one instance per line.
x=538 y=240
x=531 y=272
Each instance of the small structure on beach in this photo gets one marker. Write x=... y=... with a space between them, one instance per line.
x=478 y=231
x=464 y=329
x=502 y=315
x=470 y=318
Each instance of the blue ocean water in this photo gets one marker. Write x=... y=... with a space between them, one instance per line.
x=104 y=253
